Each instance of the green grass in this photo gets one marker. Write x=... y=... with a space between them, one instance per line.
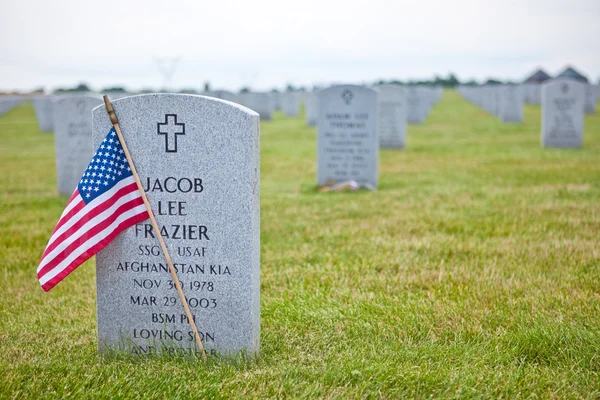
x=474 y=271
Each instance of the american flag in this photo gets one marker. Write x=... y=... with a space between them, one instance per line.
x=105 y=202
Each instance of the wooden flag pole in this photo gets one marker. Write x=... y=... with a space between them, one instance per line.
x=115 y=122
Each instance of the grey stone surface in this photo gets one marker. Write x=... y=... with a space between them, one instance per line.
x=392 y=116
x=562 y=113
x=348 y=143
x=416 y=111
x=590 y=99
x=44 y=113
x=311 y=108
x=262 y=103
x=290 y=104
x=7 y=103
x=198 y=158
x=511 y=103
x=73 y=139
x=223 y=95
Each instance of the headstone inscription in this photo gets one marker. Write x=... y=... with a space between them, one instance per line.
x=43 y=112
x=73 y=139
x=392 y=116
x=562 y=113
x=198 y=160
x=348 y=144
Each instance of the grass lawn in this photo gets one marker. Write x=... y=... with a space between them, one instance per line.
x=474 y=271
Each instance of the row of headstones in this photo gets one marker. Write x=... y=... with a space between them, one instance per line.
x=410 y=103
x=69 y=117
x=532 y=94
x=7 y=103
x=564 y=104
x=503 y=101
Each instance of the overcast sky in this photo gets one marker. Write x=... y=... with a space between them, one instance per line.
x=264 y=43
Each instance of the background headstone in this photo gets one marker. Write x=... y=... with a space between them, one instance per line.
x=43 y=112
x=392 y=116
x=348 y=143
x=290 y=104
x=562 y=113
x=73 y=139
x=262 y=103
x=511 y=103
x=198 y=159
x=311 y=108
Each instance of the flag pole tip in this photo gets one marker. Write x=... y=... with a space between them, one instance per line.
x=110 y=110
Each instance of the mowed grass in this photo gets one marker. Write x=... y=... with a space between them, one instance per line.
x=472 y=272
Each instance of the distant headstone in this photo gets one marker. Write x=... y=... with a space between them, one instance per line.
x=392 y=116
x=223 y=95
x=43 y=112
x=562 y=113
x=511 y=103
x=590 y=99
x=348 y=143
x=198 y=160
x=416 y=108
x=73 y=139
x=7 y=103
x=311 y=108
x=290 y=104
x=259 y=102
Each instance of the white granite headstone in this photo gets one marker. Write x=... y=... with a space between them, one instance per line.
x=562 y=113
x=348 y=143
x=511 y=103
x=43 y=112
x=198 y=160
x=392 y=116
x=73 y=139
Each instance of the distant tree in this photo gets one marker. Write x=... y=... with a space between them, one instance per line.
x=82 y=87
x=290 y=88
x=188 y=91
x=114 y=89
x=147 y=90
x=274 y=90
x=207 y=86
x=492 y=81
x=245 y=90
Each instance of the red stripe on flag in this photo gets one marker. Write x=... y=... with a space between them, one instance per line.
x=89 y=234
x=94 y=250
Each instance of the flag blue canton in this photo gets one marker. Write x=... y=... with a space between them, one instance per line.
x=108 y=167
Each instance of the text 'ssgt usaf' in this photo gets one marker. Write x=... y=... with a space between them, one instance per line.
x=198 y=161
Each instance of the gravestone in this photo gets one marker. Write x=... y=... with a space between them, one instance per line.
x=43 y=112
x=311 y=108
x=73 y=139
x=223 y=95
x=290 y=104
x=511 y=103
x=590 y=98
x=348 y=144
x=562 y=113
x=260 y=102
x=392 y=116
x=416 y=107
x=198 y=160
